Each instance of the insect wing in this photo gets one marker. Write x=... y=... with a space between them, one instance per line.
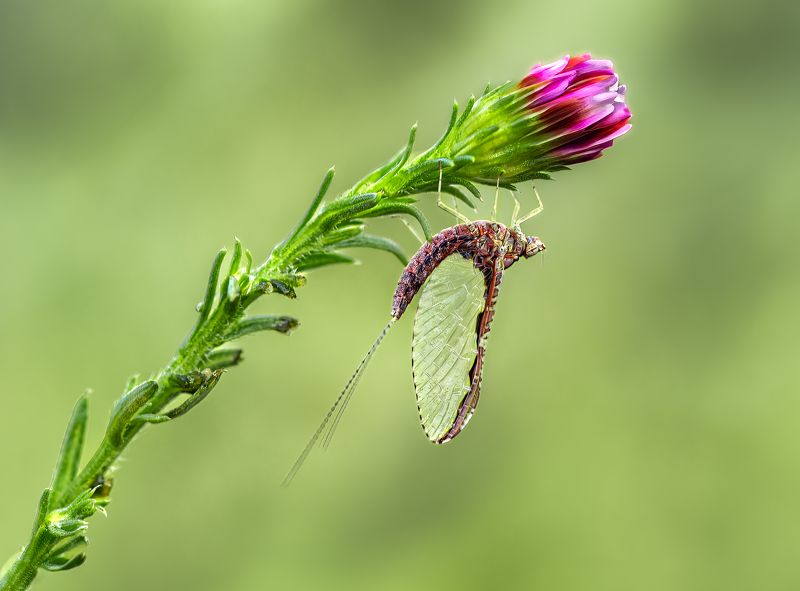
x=445 y=344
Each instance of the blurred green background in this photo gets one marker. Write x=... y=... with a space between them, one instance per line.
x=639 y=420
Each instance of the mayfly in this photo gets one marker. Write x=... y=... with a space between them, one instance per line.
x=459 y=271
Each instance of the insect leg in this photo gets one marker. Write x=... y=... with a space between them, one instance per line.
x=451 y=210
x=535 y=211
x=459 y=216
x=411 y=229
x=496 y=196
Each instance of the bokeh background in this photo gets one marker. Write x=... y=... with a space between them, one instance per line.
x=639 y=422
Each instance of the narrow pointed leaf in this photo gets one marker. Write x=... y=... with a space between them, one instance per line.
x=236 y=258
x=66 y=527
x=222 y=358
x=211 y=289
x=283 y=288
x=70 y=456
x=45 y=500
x=197 y=397
x=251 y=324
x=149 y=418
x=323 y=259
x=458 y=194
x=390 y=207
x=62 y=563
x=127 y=407
x=376 y=242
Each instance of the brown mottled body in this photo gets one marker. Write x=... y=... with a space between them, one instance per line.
x=493 y=248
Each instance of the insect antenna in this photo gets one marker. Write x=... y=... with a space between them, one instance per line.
x=350 y=387
x=337 y=409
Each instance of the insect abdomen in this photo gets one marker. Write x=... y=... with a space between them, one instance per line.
x=427 y=258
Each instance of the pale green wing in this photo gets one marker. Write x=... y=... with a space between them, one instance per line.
x=445 y=342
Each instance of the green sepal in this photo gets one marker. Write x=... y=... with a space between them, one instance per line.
x=315 y=260
x=251 y=324
x=70 y=456
x=211 y=380
x=222 y=358
x=376 y=242
x=126 y=408
x=476 y=138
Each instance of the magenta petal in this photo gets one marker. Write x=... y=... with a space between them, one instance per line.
x=557 y=87
x=590 y=119
x=542 y=72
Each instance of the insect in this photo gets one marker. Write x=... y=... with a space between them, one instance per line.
x=459 y=272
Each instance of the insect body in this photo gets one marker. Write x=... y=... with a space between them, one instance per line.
x=463 y=266
x=459 y=271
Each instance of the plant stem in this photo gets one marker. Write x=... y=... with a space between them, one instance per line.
x=387 y=191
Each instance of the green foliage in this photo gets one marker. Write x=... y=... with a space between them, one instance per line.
x=327 y=228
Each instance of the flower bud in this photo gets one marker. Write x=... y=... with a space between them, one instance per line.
x=559 y=114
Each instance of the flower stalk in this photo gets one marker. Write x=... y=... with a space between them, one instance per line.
x=556 y=116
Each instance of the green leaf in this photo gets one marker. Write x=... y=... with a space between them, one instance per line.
x=70 y=456
x=412 y=135
x=251 y=324
x=62 y=563
x=397 y=207
x=43 y=508
x=323 y=189
x=196 y=398
x=316 y=260
x=66 y=555
x=427 y=168
x=376 y=242
x=467 y=110
x=233 y=291
x=450 y=126
x=149 y=418
x=458 y=194
x=236 y=259
x=283 y=288
x=126 y=408
x=468 y=185
x=66 y=527
x=211 y=289
x=345 y=210
x=222 y=358
x=343 y=232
